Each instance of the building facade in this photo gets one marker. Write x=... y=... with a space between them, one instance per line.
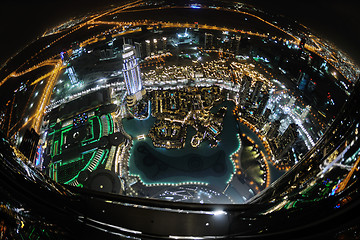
x=132 y=75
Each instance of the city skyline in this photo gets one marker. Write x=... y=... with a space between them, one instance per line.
x=312 y=16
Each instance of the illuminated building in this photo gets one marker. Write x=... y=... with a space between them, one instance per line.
x=291 y=102
x=245 y=88
x=72 y=75
x=305 y=113
x=29 y=143
x=148 y=47
x=163 y=44
x=263 y=118
x=138 y=50
x=274 y=129
x=209 y=41
x=263 y=114
x=131 y=70
x=256 y=92
x=132 y=75
x=107 y=54
x=64 y=57
x=262 y=105
x=303 y=81
x=286 y=140
x=184 y=38
x=155 y=43
x=236 y=45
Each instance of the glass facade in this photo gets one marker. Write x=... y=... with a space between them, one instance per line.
x=131 y=70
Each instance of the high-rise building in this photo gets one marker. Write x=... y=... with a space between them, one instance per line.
x=311 y=86
x=305 y=113
x=245 y=87
x=155 y=44
x=138 y=50
x=72 y=75
x=267 y=113
x=262 y=104
x=209 y=40
x=132 y=76
x=256 y=92
x=262 y=118
x=148 y=47
x=237 y=45
x=163 y=44
x=291 y=102
x=234 y=44
x=286 y=140
x=303 y=81
x=107 y=54
x=29 y=143
x=4 y=117
x=131 y=70
x=274 y=129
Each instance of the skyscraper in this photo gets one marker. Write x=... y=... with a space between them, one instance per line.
x=244 y=89
x=274 y=129
x=291 y=102
x=163 y=44
x=256 y=92
x=138 y=50
x=132 y=76
x=303 y=81
x=304 y=113
x=237 y=45
x=262 y=104
x=209 y=40
x=286 y=140
x=148 y=47
x=72 y=75
x=29 y=143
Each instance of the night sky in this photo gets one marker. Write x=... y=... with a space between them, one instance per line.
x=337 y=21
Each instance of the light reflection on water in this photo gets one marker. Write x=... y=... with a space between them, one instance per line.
x=213 y=164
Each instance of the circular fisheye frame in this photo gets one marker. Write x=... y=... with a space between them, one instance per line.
x=194 y=110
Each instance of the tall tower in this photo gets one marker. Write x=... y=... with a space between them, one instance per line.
x=132 y=76
x=164 y=43
x=72 y=75
x=285 y=141
x=256 y=92
x=148 y=47
x=305 y=113
x=262 y=104
x=245 y=86
x=274 y=129
x=208 y=40
x=237 y=44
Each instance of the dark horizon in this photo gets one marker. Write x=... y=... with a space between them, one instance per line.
x=333 y=21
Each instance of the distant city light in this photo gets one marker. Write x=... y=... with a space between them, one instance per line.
x=180 y=66
x=219 y=213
